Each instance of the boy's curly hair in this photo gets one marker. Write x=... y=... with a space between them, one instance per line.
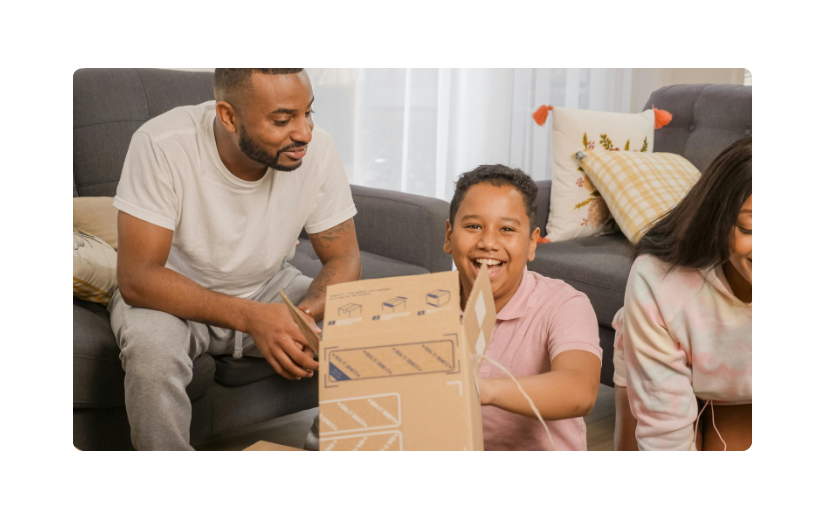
x=498 y=176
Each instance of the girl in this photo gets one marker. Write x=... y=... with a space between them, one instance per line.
x=683 y=338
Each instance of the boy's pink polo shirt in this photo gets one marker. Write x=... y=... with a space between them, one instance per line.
x=544 y=318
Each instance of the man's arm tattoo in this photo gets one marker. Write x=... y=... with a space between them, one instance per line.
x=318 y=287
x=330 y=236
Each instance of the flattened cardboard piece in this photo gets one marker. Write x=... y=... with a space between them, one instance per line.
x=396 y=370
x=269 y=446
x=310 y=335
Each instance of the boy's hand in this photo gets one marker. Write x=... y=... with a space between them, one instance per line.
x=486 y=388
x=280 y=341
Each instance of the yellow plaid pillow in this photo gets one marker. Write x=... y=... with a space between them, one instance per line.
x=638 y=187
x=95 y=268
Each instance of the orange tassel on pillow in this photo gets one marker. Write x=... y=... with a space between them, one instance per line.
x=663 y=117
x=542 y=239
x=540 y=115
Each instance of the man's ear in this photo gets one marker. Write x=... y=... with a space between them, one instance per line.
x=227 y=116
x=448 y=236
x=534 y=241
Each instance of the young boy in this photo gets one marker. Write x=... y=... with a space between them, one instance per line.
x=546 y=332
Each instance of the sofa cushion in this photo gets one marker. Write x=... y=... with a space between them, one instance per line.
x=233 y=372
x=96 y=215
x=402 y=226
x=98 y=374
x=577 y=209
x=638 y=188
x=598 y=266
x=94 y=274
x=373 y=266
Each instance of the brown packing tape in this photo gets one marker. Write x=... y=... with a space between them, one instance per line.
x=310 y=335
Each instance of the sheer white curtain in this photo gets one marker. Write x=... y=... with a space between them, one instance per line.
x=415 y=130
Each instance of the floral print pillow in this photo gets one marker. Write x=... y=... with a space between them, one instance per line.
x=577 y=209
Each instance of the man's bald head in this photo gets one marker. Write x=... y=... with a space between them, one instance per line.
x=232 y=83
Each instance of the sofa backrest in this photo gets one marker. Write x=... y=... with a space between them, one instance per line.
x=110 y=104
x=706 y=120
x=543 y=204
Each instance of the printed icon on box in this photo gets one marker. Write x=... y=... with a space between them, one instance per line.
x=395 y=303
x=438 y=297
x=349 y=310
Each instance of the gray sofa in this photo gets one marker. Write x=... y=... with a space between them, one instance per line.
x=398 y=234
x=706 y=119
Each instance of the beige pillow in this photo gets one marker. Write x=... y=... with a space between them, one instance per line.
x=638 y=187
x=95 y=268
x=577 y=209
x=97 y=216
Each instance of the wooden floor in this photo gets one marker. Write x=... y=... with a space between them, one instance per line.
x=600 y=421
x=292 y=430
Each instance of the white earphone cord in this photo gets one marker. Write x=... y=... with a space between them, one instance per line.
x=529 y=400
x=713 y=421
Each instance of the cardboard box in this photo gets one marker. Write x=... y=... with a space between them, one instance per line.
x=400 y=376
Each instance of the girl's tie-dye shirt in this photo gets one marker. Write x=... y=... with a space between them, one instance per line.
x=681 y=334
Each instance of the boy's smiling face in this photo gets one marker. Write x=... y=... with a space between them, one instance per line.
x=492 y=227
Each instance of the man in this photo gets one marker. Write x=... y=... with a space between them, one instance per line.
x=212 y=199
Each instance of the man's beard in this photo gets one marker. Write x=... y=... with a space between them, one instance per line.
x=255 y=152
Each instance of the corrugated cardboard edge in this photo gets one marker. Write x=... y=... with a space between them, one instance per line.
x=309 y=333
x=269 y=446
x=475 y=424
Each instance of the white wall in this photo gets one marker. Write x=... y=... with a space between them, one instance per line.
x=648 y=80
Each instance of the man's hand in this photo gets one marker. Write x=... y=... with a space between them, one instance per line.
x=310 y=321
x=280 y=341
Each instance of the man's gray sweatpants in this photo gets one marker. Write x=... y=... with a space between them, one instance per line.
x=157 y=351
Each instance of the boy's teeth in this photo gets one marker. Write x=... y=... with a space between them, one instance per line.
x=489 y=262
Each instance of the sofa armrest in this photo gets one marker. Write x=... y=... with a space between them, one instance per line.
x=404 y=227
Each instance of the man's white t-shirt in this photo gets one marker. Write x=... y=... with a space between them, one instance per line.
x=230 y=235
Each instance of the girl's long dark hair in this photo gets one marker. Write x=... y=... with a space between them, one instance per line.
x=696 y=233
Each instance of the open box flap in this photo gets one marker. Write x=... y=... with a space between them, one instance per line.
x=479 y=315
